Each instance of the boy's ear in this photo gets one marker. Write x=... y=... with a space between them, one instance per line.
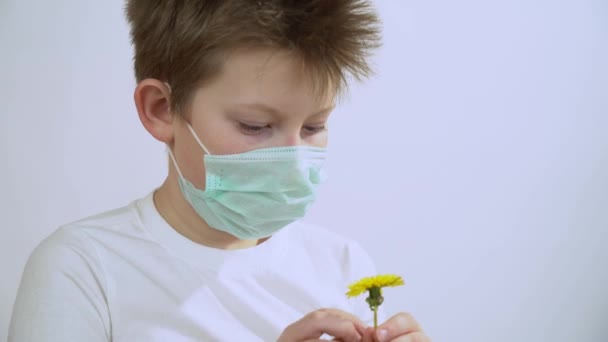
x=153 y=101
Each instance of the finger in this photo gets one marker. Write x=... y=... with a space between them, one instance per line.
x=320 y=322
x=413 y=337
x=348 y=316
x=400 y=324
x=341 y=329
x=368 y=335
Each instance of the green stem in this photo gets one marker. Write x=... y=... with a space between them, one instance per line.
x=375 y=317
x=374 y=300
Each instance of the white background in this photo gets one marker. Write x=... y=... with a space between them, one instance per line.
x=475 y=163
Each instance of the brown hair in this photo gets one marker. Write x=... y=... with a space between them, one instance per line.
x=183 y=42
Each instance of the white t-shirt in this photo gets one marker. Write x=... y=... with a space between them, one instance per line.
x=126 y=275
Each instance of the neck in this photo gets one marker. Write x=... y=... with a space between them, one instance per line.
x=174 y=208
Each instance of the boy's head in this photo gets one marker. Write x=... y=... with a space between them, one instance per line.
x=186 y=43
x=224 y=77
x=244 y=74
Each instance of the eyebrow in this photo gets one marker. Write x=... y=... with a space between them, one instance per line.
x=275 y=112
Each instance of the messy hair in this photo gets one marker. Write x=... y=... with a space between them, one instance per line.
x=184 y=42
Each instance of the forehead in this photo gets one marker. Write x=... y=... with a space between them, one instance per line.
x=277 y=76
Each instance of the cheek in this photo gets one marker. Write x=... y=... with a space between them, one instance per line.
x=190 y=161
x=222 y=136
x=319 y=140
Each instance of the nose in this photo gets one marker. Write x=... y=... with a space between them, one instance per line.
x=292 y=137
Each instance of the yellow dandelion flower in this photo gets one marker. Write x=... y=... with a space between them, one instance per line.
x=378 y=281
x=374 y=286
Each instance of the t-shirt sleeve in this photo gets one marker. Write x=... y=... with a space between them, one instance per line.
x=361 y=265
x=61 y=296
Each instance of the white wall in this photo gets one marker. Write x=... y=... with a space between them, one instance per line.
x=475 y=164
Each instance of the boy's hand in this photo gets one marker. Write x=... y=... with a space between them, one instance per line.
x=342 y=325
x=400 y=328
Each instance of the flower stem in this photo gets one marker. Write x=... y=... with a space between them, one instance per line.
x=375 y=317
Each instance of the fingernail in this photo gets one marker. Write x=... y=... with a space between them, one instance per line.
x=381 y=335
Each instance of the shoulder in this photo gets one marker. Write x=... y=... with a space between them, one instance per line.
x=109 y=230
x=63 y=290
x=75 y=246
x=123 y=220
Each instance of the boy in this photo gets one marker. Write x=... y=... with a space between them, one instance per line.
x=240 y=92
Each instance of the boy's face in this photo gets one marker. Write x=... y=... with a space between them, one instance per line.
x=260 y=99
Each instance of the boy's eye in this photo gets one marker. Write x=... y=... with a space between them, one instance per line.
x=314 y=129
x=257 y=129
x=251 y=129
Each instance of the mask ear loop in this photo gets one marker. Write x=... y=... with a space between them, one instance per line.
x=169 y=148
x=179 y=172
x=200 y=143
x=197 y=139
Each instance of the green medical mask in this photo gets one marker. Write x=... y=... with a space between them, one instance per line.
x=254 y=194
